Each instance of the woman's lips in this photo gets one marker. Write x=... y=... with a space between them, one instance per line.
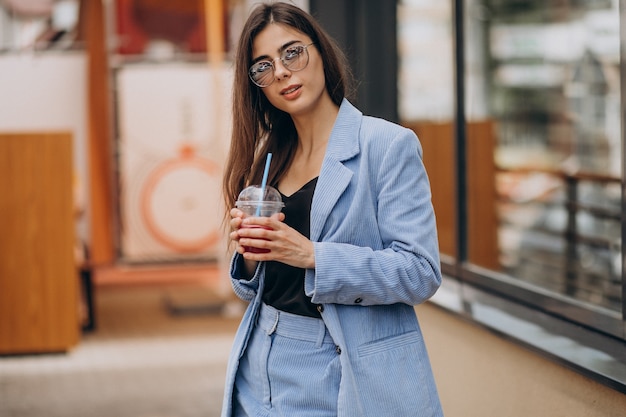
x=290 y=90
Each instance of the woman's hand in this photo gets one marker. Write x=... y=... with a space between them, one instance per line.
x=284 y=243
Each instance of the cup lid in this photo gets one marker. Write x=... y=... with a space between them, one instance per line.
x=254 y=194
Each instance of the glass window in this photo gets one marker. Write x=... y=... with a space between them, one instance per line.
x=544 y=146
x=426 y=99
x=518 y=106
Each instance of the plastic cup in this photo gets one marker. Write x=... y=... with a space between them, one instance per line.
x=254 y=201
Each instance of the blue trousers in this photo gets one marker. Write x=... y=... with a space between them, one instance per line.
x=290 y=368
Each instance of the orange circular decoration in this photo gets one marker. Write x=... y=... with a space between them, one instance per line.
x=172 y=191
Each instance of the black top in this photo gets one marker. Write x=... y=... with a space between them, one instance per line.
x=284 y=284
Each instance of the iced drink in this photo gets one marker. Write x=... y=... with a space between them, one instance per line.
x=254 y=201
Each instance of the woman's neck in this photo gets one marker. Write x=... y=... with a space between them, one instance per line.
x=314 y=128
x=313 y=135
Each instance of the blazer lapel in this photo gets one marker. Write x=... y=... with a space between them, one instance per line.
x=334 y=177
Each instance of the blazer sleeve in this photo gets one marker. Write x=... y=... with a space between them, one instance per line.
x=244 y=288
x=401 y=265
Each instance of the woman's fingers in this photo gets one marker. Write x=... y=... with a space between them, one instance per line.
x=284 y=243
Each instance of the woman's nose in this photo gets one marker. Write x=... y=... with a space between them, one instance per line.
x=280 y=71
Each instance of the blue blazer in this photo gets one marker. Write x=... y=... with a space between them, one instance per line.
x=376 y=256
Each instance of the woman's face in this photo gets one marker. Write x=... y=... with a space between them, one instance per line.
x=295 y=92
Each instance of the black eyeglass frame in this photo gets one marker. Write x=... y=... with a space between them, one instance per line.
x=285 y=63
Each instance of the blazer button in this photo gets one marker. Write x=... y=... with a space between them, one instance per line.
x=338 y=350
x=358 y=300
x=320 y=308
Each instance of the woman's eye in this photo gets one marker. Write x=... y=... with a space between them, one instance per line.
x=293 y=52
x=262 y=67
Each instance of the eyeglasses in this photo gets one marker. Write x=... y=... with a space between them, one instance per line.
x=294 y=58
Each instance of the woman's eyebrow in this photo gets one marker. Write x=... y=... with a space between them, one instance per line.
x=279 y=50
x=287 y=45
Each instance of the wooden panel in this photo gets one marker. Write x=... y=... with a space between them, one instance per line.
x=100 y=153
x=437 y=143
x=38 y=281
x=481 y=195
x=439 y=158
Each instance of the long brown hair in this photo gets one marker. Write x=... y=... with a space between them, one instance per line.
x=259 y=127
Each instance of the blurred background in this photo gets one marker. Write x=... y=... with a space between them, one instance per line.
x=114 y=125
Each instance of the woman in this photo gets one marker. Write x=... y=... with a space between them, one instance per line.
x=330 y=329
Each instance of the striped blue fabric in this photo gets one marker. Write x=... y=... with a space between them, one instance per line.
x=376 y=256
x=293 y=369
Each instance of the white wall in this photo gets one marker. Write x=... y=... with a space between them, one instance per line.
x=170 y=200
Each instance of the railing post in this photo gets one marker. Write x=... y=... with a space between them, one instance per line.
x=571 y=235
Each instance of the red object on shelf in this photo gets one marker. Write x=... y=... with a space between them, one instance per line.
x=180 y=22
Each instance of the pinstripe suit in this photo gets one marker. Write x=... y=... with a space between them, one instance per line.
x=376 y=256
